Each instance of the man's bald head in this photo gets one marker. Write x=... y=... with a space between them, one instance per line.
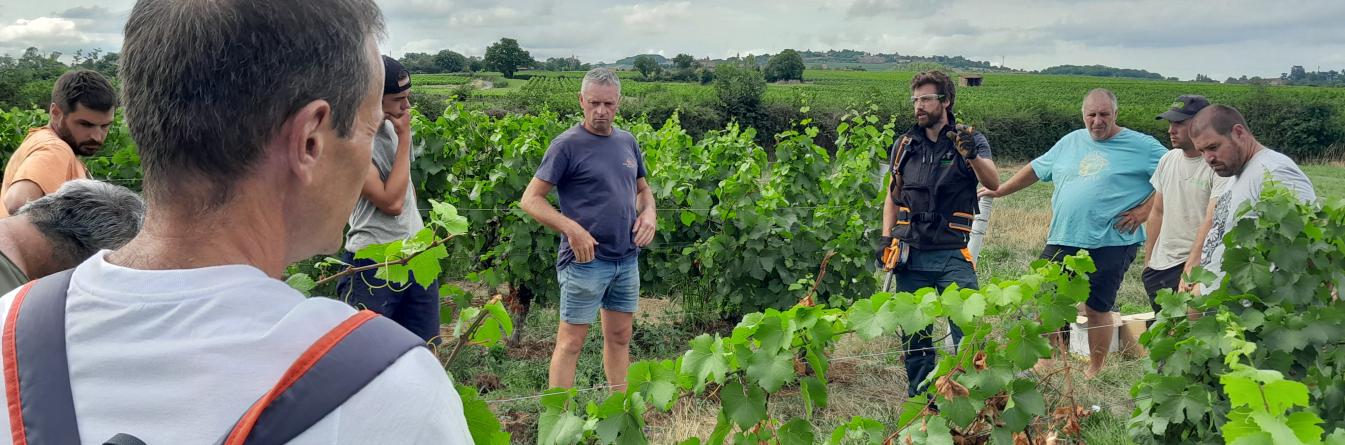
x=1099 y=114
x=1218 y=118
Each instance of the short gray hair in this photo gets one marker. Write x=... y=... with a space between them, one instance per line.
x=600 y=76
x=1110 y=95
x=85 y=216
x=207 y=83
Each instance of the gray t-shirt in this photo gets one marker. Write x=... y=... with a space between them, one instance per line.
x=595 y=178
x=368 y=225
x=1246 y=187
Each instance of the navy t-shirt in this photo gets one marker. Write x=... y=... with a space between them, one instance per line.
x=595 y=179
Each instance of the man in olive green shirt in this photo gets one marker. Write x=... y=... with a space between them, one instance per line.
x=60 y=230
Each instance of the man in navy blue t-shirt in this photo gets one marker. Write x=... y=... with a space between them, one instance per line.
x=606 y=215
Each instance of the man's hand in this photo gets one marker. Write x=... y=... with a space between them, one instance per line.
x=582 y=243
x=644 y=228
x=1134 y=218
x=883 y=244
x=985 y=192
x=401 y=125
x=964 y=141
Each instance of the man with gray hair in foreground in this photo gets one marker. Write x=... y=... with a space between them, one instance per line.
x=606 y=215
x=254 y=122
x=58 y=231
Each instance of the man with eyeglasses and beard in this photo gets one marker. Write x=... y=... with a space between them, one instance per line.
x=930 y=207
x=83 y=104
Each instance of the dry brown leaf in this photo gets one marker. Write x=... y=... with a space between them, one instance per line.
x=950 y=389
x=978 y=361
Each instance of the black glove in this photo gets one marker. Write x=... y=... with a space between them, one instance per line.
x=883 y=244
x=964 y=141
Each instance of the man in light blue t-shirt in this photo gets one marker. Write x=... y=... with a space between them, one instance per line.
x=1101 y=201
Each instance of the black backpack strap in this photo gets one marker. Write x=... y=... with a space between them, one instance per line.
x=37 y=373
x=333 y=369
x=897 y=158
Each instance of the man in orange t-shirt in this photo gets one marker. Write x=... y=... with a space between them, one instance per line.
x=83 y=104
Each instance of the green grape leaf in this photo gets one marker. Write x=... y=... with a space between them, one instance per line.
x=656 y=380
x=301 y=282
x=705 y=361
x=1025 y=404
x=814 y=392
x=796 y=432
x=870 y=321
x=481 y=421
x=745 y=406
x=770 y=370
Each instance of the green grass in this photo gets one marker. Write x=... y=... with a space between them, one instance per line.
x=1329 y=180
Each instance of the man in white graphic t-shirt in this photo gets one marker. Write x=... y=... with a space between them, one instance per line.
x=1222 y=136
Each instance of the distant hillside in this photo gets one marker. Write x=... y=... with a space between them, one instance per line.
x=630 y=61
x=1101 y=71
x=846 y=59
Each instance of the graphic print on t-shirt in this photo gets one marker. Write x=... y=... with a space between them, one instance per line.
x=1092 y=164
x=1217 y=230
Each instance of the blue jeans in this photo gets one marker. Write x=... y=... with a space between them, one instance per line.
x=613 y=285
x=923 y=358
x=414 y=307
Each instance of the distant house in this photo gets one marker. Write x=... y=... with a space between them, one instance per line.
x=971 y=80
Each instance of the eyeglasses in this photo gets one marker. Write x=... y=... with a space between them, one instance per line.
x=927 y=98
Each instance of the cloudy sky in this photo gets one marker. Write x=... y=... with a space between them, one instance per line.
x=1173 y=37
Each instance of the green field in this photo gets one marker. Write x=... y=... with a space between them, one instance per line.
x=1022 y=114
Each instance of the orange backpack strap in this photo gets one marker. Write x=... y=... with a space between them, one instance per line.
x=333 y=369
x=37 y=373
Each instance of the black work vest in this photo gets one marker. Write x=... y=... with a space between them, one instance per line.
x=937 y=200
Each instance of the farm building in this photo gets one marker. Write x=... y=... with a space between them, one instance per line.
x=971 y=80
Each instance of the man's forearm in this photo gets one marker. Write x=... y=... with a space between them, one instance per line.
x=1154 y=227
x=545 y=213
x=399 y=178
x=1193 y=258
x=644 y=201
x=1026 y=176
x=889 y=215
x=986 y=173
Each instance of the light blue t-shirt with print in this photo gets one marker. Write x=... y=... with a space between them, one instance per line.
x=1094 y=182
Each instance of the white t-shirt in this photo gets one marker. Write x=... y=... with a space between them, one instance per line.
x=1186 y=185
x=177 y=356
x=1247 y=187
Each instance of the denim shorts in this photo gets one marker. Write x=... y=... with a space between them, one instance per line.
x=613 y=285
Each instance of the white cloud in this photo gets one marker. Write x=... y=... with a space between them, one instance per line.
x=1235 y=37
x=659 y=17
x=41 y=31
x=498 y=16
